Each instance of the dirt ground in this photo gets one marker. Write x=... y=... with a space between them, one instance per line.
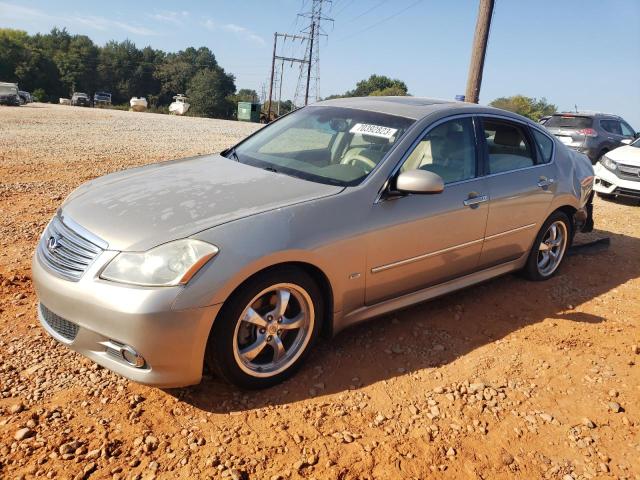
x=509 y=379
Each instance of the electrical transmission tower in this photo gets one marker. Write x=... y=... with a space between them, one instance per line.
x=308 y=88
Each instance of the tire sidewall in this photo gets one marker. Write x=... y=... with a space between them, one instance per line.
x=220 y=355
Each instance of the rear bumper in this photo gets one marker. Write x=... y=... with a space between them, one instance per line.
x=608 y=183
x=104 y=316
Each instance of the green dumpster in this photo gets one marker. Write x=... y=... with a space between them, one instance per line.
x=249 y=112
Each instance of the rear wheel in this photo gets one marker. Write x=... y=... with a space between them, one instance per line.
x=266 y=328
x=549 y=247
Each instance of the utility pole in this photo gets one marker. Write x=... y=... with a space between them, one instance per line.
x=479 y=50
x=313 y=34
x=275 y=57
x=273 y=67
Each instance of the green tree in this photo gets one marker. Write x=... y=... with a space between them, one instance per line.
x=526 y=106
x=376 y=85
x=208 y=93
x=246 y=95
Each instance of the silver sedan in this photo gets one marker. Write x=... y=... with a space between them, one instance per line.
x=334 y=214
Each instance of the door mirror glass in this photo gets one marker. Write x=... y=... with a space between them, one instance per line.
x=419 y=181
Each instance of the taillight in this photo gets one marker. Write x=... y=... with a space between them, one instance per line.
x=589 y=132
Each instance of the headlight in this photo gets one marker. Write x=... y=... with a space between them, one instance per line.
x=608 y=163
x=173 y=263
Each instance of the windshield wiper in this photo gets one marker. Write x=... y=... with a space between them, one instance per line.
x=271 y=169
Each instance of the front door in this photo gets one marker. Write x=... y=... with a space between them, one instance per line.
x=422 y=240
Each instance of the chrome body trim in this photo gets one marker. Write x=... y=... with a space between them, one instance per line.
x=399 y=263
x=508 y=232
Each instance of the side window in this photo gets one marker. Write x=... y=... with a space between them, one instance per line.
x=545 y=146
x=627 y=131
x=509 y=148
x=611 y=126
x=448 y=150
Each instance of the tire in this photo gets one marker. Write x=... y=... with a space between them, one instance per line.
x=245 y=353
x=536 y=269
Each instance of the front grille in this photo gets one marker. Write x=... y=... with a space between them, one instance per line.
x=629 y=172
x=62 y=327
x=65 y=252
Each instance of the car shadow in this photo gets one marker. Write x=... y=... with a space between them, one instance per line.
x=435 y=333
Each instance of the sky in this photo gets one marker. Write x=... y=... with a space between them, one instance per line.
x=583 y=53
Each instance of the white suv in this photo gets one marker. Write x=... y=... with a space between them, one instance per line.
x=618 y=172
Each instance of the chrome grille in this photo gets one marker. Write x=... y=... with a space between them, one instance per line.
x=65 y=251
x=629 y=172
x=62 y=327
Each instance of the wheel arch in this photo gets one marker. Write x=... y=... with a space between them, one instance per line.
x=315 y=272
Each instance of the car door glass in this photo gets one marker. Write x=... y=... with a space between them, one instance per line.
x=545 y=146
x=448 y=150
x=611 y=126
x=508 y=146
x=627 y=131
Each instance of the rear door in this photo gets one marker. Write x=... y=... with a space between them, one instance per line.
x=421 y=240
x=521 y=181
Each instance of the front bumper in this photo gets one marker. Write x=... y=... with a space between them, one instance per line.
x=172 y=342
x=608 y=183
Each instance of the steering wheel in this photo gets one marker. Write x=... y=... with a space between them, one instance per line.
x=368 y=164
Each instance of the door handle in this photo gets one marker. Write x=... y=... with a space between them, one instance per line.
x=474 y=201
x=545 y=182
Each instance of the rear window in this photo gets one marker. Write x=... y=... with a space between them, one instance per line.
x=569 y=121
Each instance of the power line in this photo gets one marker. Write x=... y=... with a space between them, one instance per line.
x=390 y=17
x=369 y=10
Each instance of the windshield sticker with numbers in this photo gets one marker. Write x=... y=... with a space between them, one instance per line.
x=373 y=130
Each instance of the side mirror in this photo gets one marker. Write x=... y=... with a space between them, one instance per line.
x=637 y=135
x=419 y=181
x=626 y=141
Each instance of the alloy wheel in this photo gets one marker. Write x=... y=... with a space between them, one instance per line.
x=273 y=330
x=552 y=248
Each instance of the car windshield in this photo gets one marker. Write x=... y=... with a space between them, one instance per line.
x=569 y=121
x=636 y=143
x=333 y=145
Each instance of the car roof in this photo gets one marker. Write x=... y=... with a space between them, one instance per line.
x=588 y=114
x=410 y=107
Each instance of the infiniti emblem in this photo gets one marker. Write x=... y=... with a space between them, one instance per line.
x=52 y=243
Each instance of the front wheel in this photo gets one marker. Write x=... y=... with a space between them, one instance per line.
x=266 y=328
x=549 y=247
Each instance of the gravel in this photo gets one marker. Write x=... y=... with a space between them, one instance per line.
x=502 y=366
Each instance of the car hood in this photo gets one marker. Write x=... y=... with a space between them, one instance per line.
x=628 y=155
x=140 y=208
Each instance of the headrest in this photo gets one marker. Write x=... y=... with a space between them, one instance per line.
x=507 y=136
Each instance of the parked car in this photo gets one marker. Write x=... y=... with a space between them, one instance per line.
x=9 y=94
x=25 y=97
x=79 y=99
x=331 y=215
x=618 y=172
x=593 y=134
x=101 y=99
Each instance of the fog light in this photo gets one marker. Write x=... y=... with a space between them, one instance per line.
x=132 y=357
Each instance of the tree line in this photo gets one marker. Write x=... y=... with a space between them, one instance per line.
x=56 y=64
